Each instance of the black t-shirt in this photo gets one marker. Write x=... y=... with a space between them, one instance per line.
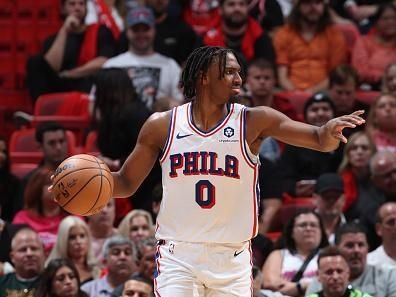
x=270 y=180
x=106 y=46
x=10 y=195
x=175 y=39
x=273 y=16
x=299 y=163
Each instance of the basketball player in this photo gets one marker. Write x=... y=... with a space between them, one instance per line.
x=208 y=152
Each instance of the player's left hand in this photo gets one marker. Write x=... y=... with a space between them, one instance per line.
x=336 y=125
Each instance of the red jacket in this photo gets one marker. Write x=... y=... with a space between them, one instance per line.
x=215 y=37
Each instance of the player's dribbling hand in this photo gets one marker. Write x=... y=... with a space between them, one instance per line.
x=336 y=126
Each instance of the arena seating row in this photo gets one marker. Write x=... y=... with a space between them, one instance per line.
x=25 y=154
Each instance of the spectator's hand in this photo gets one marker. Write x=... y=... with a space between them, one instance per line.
x=335 y=126
x=71 y=24
x=288 y=288
x=1 y=268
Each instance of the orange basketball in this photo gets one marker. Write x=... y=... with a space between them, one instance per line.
x=82 y=185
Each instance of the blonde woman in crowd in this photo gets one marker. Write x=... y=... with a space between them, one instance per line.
x=74 y=242
x=137 y=225
x=355 y=171
x=389 y=79
x=381 y=122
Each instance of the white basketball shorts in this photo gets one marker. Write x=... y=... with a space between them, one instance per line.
x=187 y=269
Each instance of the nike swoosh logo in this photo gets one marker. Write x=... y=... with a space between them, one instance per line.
x=178 y=136
x=237 y=253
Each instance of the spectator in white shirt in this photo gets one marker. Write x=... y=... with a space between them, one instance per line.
x=155 y=77
x=385 y=254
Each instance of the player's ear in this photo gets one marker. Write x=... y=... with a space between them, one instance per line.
x=204 y=78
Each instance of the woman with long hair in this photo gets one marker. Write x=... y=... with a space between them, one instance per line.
x=41 y=212
x=74 y=242
x=137 y=225
x=118 y=115
x=59 y=279
x=381 y=122
x=355 y=171
x=9 y=186
x=389 y=79
x=302 y=238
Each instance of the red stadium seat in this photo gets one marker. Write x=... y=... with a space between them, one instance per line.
x=7 y=72
x=297 y=99
x=90 y=144
x=70 y=109
x=7 y=12
x=20 y=170
x=23 y=147
x=367 y=97
x=274 y=236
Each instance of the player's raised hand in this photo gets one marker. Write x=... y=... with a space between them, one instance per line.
x=335 y=126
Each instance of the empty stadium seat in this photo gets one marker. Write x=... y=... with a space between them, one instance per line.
x=71 y=109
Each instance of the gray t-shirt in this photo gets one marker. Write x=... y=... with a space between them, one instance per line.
x=376 y=281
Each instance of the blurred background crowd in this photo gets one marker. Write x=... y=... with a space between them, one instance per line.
x=82 y=76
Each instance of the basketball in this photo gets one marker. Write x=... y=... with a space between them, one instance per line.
x=82 y=185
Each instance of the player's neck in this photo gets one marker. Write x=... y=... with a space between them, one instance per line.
x=207 y=115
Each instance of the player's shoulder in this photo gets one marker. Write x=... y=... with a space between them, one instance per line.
x=156 y=128
x=159 y=118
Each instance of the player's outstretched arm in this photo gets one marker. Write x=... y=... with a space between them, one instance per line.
x=263 y=122
x=151 y=139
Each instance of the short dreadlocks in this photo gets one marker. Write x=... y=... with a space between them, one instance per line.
x=198 y=63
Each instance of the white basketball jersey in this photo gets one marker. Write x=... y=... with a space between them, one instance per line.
x=210 y=181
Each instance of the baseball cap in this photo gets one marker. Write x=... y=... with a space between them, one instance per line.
x=329 y=181
x=318 y=98
x=140 y=15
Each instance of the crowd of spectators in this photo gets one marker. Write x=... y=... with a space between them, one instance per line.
x=128 y=56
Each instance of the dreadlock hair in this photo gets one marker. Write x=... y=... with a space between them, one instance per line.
x=197 y=65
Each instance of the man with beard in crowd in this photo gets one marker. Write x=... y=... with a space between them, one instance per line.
x=308 y=47
x=240 y=32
